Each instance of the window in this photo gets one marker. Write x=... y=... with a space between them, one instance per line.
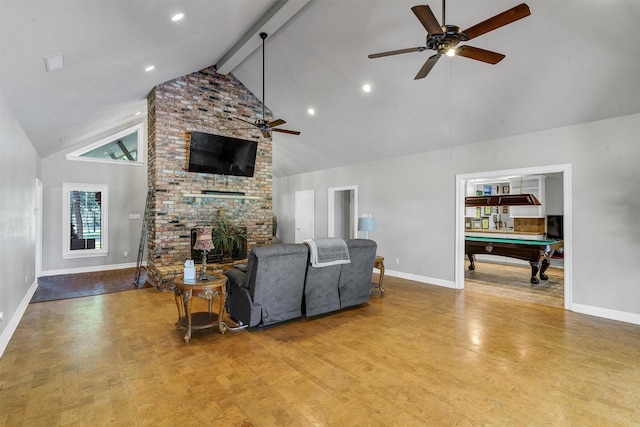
x=125 y=147
x=84 y=215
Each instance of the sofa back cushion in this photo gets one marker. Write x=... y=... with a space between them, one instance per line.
x=355 y=277
x=275 y=278
x=321 y=289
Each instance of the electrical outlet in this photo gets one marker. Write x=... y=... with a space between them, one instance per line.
x=397 y=260
x=126 y=254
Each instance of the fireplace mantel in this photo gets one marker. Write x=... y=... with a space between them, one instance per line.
x=221 y=196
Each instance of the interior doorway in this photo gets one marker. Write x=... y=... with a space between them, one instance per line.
x=343 y=212
x=304 y=215
x=38 y=228
x=562 y=170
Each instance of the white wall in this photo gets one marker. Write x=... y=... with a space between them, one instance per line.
x=19 y=164
x=413 y=200
x=127 y=195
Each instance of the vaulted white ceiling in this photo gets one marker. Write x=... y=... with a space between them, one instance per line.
x=569 y=62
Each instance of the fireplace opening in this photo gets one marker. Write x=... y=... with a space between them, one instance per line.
x=215 y=256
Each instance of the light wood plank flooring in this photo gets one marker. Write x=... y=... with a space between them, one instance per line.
x=513 y=281
x=418 y=355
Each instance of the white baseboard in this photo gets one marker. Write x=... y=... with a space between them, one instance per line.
x=422 y=279
x=11 y=327
x=90 y=269
x=621 y=316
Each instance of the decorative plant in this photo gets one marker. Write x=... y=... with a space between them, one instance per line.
x=227 y=235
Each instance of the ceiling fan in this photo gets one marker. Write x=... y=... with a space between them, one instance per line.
x=267 y=127
x=444 y=38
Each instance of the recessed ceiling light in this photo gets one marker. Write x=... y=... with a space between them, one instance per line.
x=311 y=111
x=150 y=68
x=366 y=87
x=177 y=17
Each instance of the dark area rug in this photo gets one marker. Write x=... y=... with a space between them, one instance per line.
x=51 y=288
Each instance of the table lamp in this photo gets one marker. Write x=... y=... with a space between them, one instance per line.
x=204 y=244
x=366 y=223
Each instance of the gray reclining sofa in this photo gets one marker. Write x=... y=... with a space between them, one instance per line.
x=280 y=284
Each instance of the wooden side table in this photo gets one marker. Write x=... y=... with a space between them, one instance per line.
x=207 y=289
x=379 y=264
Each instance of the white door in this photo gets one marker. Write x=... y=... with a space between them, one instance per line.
x=304 y=215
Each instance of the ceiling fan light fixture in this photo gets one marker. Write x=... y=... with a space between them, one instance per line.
x=443 y=38
x=264 y=126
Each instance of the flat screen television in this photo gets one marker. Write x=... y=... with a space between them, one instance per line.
x=555 y=228
x=222 y=155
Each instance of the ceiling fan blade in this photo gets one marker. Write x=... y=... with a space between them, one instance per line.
x=397 y=52
x=276 y=122
x=291 y=132
x=479 y=54
x=427 y=67
x=246 y=121
x=427 y=19
x=265 y=133
x=502 y=19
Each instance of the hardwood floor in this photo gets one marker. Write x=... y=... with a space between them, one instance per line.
x=513 y=281
x=418 y=355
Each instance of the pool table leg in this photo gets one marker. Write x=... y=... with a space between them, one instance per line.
x=472 y=260
x=535 y=266
x=545 y=265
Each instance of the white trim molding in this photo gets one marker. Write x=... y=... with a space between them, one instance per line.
x=331 y=193
x=621 y=316
x=422 y=279
x=11 y=327
x=461 y=180
x=103 y=189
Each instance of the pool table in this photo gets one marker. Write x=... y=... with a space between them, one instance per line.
x=537 y=252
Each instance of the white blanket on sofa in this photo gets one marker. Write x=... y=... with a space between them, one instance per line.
x=328 y=251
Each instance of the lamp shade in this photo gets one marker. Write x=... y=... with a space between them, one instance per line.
x=203 y=239
x=367 y=224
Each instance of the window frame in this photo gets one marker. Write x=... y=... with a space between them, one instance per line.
x=67 y=188
x=141 y=153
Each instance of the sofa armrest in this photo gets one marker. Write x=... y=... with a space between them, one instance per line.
x=237 y=278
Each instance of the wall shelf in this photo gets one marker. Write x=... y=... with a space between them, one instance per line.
x=221 y=196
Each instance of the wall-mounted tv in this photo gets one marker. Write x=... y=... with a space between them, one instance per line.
x=555 y=227
x=221 y=155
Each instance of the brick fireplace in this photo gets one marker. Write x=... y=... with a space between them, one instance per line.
x=205 y=102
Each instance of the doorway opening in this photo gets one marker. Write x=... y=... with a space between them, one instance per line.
x=563 y=172
x=343 y=212
x=304 y=215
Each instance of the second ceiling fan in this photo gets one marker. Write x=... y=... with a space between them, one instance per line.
x=445 y=38
x=262 y=124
